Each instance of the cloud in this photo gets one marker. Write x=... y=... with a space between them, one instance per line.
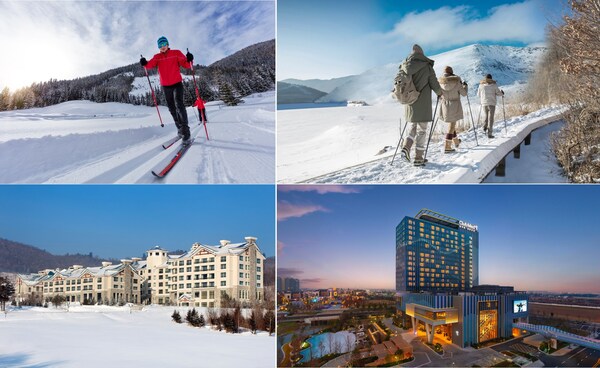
x=64 y=40
x=321 y=189
x=288 y=272
x=312 y=281
x=447 y=27
x=286 y=210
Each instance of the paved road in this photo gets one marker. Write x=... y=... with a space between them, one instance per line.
x=579 y=357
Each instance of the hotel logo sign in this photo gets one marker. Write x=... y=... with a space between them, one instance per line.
x=467 y=226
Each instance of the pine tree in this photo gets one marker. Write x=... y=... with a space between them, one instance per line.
x=270 y=321
x=176 y=316
x=6 y=291
x=201 y=321
x=252 y=323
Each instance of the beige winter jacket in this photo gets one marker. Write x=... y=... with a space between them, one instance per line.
x=488 y=90
x=452 y=89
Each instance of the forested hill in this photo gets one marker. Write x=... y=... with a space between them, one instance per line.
x=250 y=70
x=23 y=258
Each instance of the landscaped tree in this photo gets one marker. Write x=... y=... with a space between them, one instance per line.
x=252 y=323
x=270 y=321
x=57 y=300
x=6 y=291
x=176 y=316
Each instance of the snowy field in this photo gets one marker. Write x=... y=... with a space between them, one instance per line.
x=345 y=144
x=102 y=336
x=86 y=142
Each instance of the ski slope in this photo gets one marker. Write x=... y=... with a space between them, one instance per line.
x=345 y=145
x=104 y=336
x=86 y=142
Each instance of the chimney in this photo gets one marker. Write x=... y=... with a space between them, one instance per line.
x=224 y=242
x=250 y=239
x=76 y=267
x=106 y=264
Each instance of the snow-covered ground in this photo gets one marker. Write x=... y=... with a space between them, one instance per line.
x=86 y=142
x=102 y=336
x=342 y=145
x=537 y=162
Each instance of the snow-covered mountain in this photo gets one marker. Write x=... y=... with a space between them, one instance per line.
x=509 y=66
x=325 y=85
x=294 y=93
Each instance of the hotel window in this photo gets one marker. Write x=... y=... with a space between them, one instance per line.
x=197 y=260
x=181 y=269
x=181 y=263
x=196 y=284
x=223 y=274
x=258 y=260
x=223 y=283
x=241 y=258
x=241 y=267
x=223 y=266
x=188 y=269
x=258 y=269
x=181 y=286
x=188 y=262
x=204 y=284
x=241 y=274
x=223 y=259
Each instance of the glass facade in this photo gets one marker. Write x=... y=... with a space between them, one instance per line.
x=435 y=252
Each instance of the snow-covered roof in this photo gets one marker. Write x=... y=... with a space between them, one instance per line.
x=218 y=250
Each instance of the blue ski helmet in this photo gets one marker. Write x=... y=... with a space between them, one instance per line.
x=162 y=41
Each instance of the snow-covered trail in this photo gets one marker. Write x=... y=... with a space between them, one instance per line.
x=350 y=134
x=84 y=142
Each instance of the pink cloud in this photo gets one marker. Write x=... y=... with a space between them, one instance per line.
x=321 y=189
x=280 y=246
x=286 y=210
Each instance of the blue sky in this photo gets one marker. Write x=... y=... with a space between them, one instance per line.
x=126 y=220
x=530 y=236
x=322 y=39
x=67 y=39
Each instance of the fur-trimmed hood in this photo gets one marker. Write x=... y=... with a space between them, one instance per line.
x=487 y=81
x=447 y=79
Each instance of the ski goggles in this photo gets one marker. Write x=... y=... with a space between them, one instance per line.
x=163 y=44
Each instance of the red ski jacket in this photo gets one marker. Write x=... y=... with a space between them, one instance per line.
x=168 y=66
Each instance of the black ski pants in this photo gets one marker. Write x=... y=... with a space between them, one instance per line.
x=174 y=97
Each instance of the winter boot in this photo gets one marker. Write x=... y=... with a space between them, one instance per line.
x=186 y=141
x=448 y=145
x=456 y=140
x=419 y=159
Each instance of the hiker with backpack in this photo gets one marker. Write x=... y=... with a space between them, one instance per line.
x=419 y=79
x=487 y=92
x=453 y=87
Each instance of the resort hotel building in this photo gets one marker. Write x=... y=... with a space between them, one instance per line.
x=200 y=277
x=437 y=283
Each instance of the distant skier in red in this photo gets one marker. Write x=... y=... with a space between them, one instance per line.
x=168 y=62
x=200 y=105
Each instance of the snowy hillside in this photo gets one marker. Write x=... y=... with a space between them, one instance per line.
x=87 y=142
x=510 y=67
x=293 y=93
x=103 y=336
x=325 y=85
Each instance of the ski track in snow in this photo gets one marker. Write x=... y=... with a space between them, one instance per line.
x=85 y=142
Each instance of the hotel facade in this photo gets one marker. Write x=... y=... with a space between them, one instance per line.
x=200 y=277
x=437 y=283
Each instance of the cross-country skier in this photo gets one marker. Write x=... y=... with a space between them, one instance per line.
x=487 y=92
x=168 y=62
x=451 y=110
x=199 y=104
x=420 y=67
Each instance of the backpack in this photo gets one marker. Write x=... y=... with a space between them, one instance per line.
x=404 y=89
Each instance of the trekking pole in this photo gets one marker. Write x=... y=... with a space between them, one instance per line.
x=153 y=96
x=197 y=94
x=472 y=122
x=400 y=141
x=434 y=121
x=504 y=113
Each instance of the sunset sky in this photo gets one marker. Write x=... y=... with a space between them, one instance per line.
x=532 y=237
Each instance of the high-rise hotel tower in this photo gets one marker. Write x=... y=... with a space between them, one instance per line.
x=436 y=253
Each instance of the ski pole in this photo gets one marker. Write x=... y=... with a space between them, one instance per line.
x=153 y=96
x=400 y=141
x=504 y=113
x=197 y=93
x=434 y=121
x=472 y=122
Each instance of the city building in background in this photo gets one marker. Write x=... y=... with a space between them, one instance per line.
x=200 y=277
x=437 y=277
x=288 y=285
